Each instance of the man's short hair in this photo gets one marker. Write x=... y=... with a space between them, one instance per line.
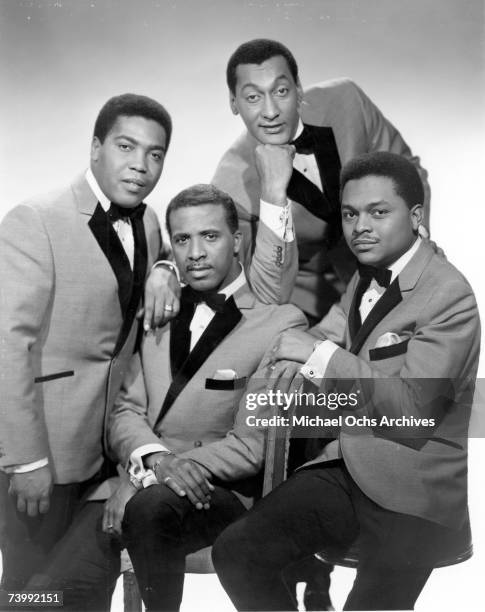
x=258 y=51
x=201 y=194
x=131 y=105
x=401 y=171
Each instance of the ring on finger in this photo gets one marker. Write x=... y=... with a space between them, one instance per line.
x=166 y=479
x=169 y=308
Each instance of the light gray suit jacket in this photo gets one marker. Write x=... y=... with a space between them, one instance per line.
x=430 y=373
x=206 y=418
x=67 y=329
x=354 y=126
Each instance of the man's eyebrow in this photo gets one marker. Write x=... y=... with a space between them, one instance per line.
x=255 y=85
x=368 y=205
x=135 y=141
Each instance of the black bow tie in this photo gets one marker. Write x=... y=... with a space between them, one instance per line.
x=117 y=212
x=305 y=143
x=214 y=300
x=382 y=276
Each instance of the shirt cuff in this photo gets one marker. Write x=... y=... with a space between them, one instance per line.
x=28 y=467
x=278 y=219
x=166 y=263
x=138 y=472
x=317 y=363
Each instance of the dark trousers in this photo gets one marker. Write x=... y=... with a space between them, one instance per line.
x=160 y=529
x=27 y=541
x=321 y=508
x=84 y=565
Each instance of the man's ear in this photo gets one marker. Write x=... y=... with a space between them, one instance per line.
x=417 y=216
x=238 y=238
x=299 y=92
x=95 y=147
x=233 y=104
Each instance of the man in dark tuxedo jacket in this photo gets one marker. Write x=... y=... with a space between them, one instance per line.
x=180 y=423
x=72 y=271
x=405 y=339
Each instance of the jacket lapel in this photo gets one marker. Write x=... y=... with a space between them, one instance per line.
x=323 y=205
x=354 y=313
x=180 y=337
x=386 y=303
x=404 y=282
x=130 y=282
x=138 y=281
x=328 y=161
x=112 y=248
x=220 y=326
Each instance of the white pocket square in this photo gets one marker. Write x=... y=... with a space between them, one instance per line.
x=225 y=375
x=387 y=339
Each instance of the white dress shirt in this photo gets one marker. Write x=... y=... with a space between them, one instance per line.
x=278 y=219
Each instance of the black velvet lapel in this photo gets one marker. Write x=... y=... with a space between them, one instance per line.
x=138 y=275
x=386 y=303
x=220 y=326
x=328 y=161
x=114 y=252
x=130 y=282
x=180 y=337
x=354 y=313
x=326 y=205
x=303 y=191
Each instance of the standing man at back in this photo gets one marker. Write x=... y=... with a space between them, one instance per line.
x=329 y=124
x=72 y=272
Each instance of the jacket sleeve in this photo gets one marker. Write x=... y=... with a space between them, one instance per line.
x=271 y=263
x=26 y=291
x=128 y=425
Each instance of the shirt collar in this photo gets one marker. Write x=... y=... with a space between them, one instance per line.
x=96 y=189
x=236 y=284
x=398 y=266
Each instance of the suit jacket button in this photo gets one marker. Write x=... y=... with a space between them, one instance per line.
x=197 y=443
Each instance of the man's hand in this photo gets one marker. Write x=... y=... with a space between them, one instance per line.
x=285 y=377
x=114 y=508
x=293 y=345
x=162 y=298
x=184 y=477
x=274 y=164
x=33 y=490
